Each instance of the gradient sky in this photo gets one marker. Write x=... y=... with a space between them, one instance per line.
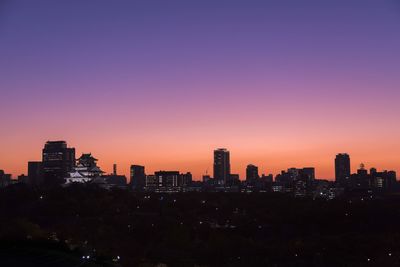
x=163 y=83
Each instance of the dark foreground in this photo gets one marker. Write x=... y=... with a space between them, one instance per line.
x=87 y=226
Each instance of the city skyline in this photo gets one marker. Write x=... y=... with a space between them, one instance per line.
x=193 y=133
x=213 y=158
x=279 y=83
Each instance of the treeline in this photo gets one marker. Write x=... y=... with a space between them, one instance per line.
x=204 y=229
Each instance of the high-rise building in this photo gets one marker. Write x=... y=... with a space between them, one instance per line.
x=35 y=173
x=342 y=169
x=251 y=173
x=137 y=177
x=58 y=160
x=222 y=167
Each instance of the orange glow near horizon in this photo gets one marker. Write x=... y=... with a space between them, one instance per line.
x=197 y=158
x=140 y=83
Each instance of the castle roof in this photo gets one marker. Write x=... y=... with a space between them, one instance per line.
x=87 y=156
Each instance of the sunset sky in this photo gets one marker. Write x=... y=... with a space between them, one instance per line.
x=163 y=83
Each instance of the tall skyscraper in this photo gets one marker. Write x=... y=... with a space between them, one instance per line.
x=252 y=173
x=58 y=160
x=137 y=177
x=222 y=166
x=342 y=169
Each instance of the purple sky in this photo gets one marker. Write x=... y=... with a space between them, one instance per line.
x=274 y=81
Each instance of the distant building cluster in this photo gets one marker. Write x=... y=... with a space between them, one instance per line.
x=59 y=166
x=363 y=180
x=299 y=182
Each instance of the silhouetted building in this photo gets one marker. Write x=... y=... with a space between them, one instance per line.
x=264 y=183
x=360 y=180
x=58 y=160
x=23 y=179
x=114 y=169
x=362 y=171
x=35 y=173
x=185 y=179
x=300 y=188
x=115 y=180
x=168 y=181
x=234 y=180
x=298 y=181
x=308 y=173
x=342 y=169
x=206 y=178
x=222 y=167
x=285 y=180
x=152 y=182
x=325 y=189
x=251 y=174
x=278 y=187
x=137 y=177
x=5 y=179
x=391 y=182
x=385 y=181
x=267 y=178
x=168 y=178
